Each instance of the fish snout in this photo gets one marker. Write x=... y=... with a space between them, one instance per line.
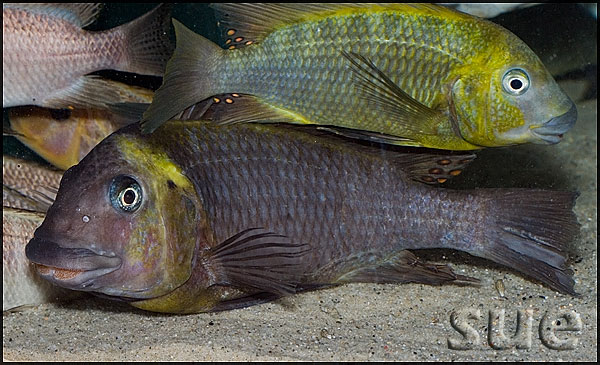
x=71 y=268
x=552 y=131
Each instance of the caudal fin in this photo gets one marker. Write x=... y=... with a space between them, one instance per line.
x=147 y=42
x=529 y=231
x=187 y=78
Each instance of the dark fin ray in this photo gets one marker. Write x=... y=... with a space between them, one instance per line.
x=372 y=136
x=243 y=108
x=187 y=77
x=148 y=43
x=128 y=112
x=79 y=14
x=405 y=267
x=415 y=117
x=530 y=231
x=260 y=260
x=196 y=111
x=243 y=302
x=12 y=198
x=45 y=195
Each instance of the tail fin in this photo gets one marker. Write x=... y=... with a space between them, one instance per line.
x=148 y=45
x=187 y=78
x=529 y=231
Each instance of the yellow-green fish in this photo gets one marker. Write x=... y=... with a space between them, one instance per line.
x=63 y=137
x=406 y=74
x=201 y=217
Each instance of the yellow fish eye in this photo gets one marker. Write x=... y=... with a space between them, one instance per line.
x=125 y=194
x=515 y=81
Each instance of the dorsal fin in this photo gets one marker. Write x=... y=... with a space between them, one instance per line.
x=243 y=23
x=79 y=14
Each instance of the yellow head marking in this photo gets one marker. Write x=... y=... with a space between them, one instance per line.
x=154 y=161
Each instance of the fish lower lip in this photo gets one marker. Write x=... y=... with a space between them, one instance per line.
x=553 y=130
x=72 y=268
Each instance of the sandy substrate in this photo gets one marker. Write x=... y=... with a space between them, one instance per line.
x=358 y=321
x=362 y=321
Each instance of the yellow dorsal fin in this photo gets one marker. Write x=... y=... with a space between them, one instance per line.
x=244 y=24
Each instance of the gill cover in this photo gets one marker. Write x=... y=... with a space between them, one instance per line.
x=162 y=205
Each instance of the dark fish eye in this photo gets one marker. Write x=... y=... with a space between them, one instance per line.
x=515 y=81
x=125 y=194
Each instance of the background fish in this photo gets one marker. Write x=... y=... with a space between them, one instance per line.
x=39 y=67
x=28 y=191
x=63 y=137
x=488 y=10
x=21 y=285
x=28 y=185
x=200 y=217
x=417 y=75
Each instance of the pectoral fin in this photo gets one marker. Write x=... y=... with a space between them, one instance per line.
x=259 y=260
x=417 y=119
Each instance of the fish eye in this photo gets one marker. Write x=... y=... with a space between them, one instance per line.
x=515 y=81
x=125 y=194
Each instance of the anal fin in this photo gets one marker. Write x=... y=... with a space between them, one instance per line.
x=232 y=108
x=404 y=267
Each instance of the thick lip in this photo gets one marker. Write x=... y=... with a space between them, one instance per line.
x=553 y=130
x=72 y=268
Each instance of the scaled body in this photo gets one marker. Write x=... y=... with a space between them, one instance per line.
x=404 y=74
x=46 y=54
x=198 y=217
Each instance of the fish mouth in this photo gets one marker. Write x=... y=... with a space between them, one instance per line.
x=71 y=268
x=552 y=131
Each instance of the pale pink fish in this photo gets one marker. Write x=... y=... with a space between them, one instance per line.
x=21 y=285
x=47 y=56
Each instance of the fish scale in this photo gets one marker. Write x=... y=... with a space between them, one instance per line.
x=59 y=38
x=415 y=72
x=403 y=74
x=364 y=221
x=228 y=216
x=47 y=56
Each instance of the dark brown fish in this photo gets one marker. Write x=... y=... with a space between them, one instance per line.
x=199 y=217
